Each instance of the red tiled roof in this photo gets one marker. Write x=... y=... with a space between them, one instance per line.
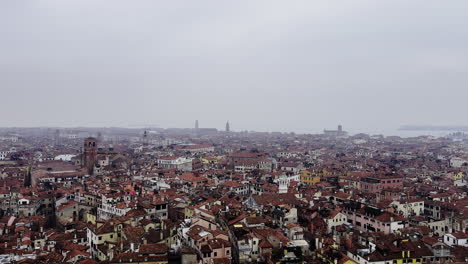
x=153 y=249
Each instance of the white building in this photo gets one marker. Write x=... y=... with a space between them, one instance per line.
x=457 y=162
x=246 y=167
x=109 y=210
x=408 y=208
x=456 y=239
x=12 y=139
x=179 y=163
x=113 y=206
x=194 y=148
x=65 y=157
x=70 y=136
x=336 y=218
x=3 y=155
x=249 y=249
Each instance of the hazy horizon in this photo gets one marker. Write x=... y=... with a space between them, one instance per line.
x=263 y=65
x=395 y=132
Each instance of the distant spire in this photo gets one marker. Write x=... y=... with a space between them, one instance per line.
x=145 y=138
x=227 y=127
x=196 y=124
x=57 y=137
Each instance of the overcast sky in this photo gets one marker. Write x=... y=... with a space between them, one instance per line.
x=263 y=65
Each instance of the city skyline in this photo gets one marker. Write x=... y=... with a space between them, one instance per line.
x=402 y=131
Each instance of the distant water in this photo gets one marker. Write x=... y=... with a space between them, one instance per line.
x=407 y=133
x=412 y=133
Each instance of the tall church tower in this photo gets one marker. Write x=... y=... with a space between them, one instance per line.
x=283 y=184
x=90 y=154
x=227 y=127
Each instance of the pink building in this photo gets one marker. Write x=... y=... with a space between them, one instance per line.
x=216 y=249
x=373 y=185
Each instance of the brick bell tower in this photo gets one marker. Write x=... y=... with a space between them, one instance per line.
x=90 y=154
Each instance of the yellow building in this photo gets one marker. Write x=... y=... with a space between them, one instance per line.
x=406 y=258
x=189 y=211
x=308 y=178
x=209 y=160
x=90 y=218
x=458 y=176
x=103 y=233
